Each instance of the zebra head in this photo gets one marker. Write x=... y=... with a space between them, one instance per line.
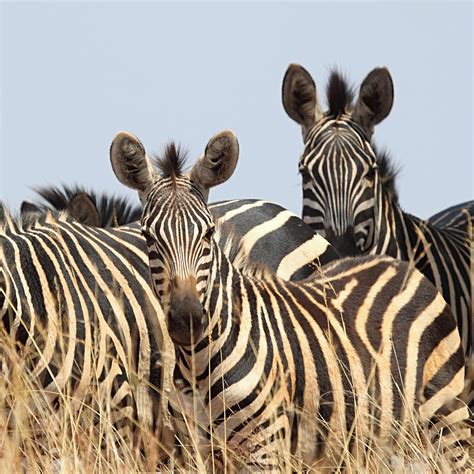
x=177 y=223
x=342 y=183
x=80 y=207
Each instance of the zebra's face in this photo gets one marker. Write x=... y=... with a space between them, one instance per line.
x=178 y=229
x=342 y=190
x=341 y=186
x=177 y=224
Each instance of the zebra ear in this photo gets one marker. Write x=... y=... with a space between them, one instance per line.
x=82 y=209
x=130 y=163
x=29 y=208
x=218 y=162
x=299 y=96
x=375 y=99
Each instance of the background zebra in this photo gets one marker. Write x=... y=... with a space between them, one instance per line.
x=458 y=216
x=79 y=284
x=278 y=367
x=78 y=303
x=84 y=205
x=349 y=193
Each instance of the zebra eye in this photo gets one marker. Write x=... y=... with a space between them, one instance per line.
x=369 y=178
x=148 y=238
x=209 y=233
x=303 y=171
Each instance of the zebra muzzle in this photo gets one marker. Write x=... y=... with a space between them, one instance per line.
x=345 y=243
x=186 y=320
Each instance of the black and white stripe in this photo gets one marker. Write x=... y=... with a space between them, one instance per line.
x=349 y=191
x=279 y=367
x=97 y=281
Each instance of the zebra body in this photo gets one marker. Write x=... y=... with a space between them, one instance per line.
x=78 y=301
x=257 y=224
x=288 y=367
x=458 y=216
x=349 y=191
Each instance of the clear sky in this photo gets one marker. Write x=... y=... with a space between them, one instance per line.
x=73 y=74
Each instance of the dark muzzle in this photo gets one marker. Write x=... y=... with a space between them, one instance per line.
x=185 y=320
x=345 y=244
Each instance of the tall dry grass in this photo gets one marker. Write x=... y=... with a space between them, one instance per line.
x=50 y=432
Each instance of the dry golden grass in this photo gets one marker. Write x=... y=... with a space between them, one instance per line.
x=81 y=436
x=71 y=435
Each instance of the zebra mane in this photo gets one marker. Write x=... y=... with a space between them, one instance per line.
x=171 y=163
x=6 y=219
x=10 y=223
x=113 y=211
x=339 y=94
x=388 y=172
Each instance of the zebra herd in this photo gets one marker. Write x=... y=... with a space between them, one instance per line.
x=236 y=327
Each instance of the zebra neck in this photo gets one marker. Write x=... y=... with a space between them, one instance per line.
x=223 y=305
x=399 y=233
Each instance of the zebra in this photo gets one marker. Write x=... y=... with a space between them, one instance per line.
x=276 y=366
x=53 y=268
x=349 y=193
x=80 y=207
x=76 y=300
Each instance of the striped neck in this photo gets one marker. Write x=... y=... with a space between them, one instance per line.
x=387 y=229
x=399 y=235
x=223 y=302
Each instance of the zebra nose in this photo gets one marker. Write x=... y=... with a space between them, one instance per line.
x=345 y=243
x=185 y=320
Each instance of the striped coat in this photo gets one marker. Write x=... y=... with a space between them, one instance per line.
x=278 y=370
x=349 y=193
x=89 y=289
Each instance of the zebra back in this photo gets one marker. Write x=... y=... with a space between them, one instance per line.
x=256 y=225
x=459 y=216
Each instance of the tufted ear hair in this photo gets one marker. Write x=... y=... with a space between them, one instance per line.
x=375 y=99
x=218 y=162
x=28 y=207
x=130 y=163
x=299 y=96
x=82 y=208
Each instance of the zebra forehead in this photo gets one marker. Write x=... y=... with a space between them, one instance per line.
x=342 y=128
x=173 y=192
x=177 y=200
x=339 y=139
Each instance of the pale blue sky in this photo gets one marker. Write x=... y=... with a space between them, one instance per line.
x=73 y=74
